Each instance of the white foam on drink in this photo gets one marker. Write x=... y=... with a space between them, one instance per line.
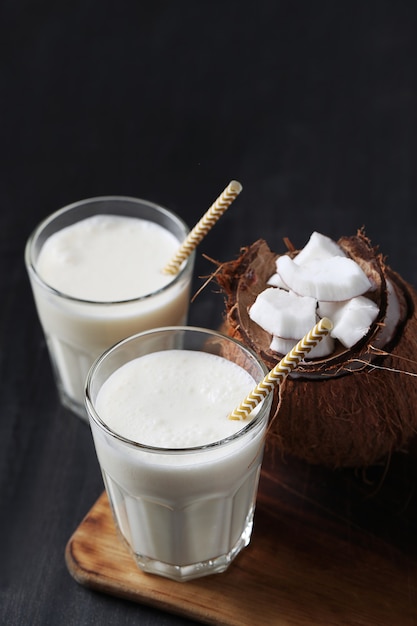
x=107 y=258
x=174 y=398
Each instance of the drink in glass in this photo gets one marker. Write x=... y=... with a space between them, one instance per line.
x=96 y=271
x=181 y=477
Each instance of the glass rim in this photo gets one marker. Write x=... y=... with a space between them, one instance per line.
x=93 y=414
x=31 y=266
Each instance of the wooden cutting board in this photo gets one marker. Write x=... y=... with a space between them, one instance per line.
x=328 y=548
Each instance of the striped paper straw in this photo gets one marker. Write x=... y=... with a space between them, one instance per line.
x=203 y=226
x=281 y=370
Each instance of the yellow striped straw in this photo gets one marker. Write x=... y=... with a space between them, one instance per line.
x=281 y=370
x=201 y=229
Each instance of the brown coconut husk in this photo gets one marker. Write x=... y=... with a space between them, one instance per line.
x=350 y=410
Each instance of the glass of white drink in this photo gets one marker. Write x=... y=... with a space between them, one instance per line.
x=180 y=475
x=96 y=271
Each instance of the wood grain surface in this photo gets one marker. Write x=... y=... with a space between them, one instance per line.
x=328 y=548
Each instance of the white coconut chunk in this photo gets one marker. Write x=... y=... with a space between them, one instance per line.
x=283 y=313
x=351 y=319
x=333 y=279
x=324 y=348
x=276 y=281
x=318 y=247
x=392 y=318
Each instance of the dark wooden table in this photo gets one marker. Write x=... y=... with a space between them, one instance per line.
x=312 y=106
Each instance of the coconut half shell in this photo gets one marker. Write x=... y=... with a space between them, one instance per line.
x=357 y=406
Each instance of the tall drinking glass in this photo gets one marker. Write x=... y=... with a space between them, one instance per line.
x=181 y=478
x=79 y=328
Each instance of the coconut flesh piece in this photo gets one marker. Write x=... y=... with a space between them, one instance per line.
x=284 y=313
x=333 y=278
x=318 y=247
x=288 y=317
x=351 y=319
x=322 y=274
x=276 y=281
x=322 y=349
x=392 y=318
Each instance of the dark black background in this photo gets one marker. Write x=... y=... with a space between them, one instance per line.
x=310 y=105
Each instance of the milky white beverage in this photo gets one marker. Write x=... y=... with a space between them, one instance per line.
x=96 y=270
x=181 y=476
